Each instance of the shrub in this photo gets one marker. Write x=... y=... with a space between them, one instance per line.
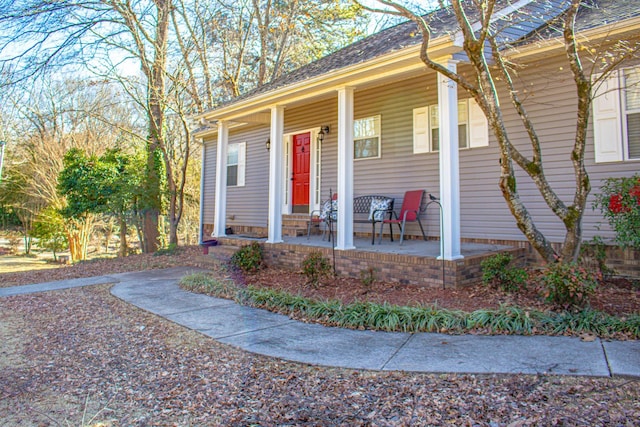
x=567 y=284
x=249 y=258
x=172 y=249
x=619 y=202
x=496 y=271
x=205 y=283
x=315 y=266
x=593 y=255
x=368 y=276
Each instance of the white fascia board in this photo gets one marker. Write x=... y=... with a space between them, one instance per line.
x=213 y=130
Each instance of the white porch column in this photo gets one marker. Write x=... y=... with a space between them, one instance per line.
x=220 y=213
x=449 y=164
x=344 y=240
x=275 y=175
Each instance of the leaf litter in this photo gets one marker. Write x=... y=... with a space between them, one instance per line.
x=83 y=357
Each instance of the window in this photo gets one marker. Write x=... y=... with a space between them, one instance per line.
x=236 y=154
x=366 y=138
x=616 y=117
x=632 y=112
x=473 y=130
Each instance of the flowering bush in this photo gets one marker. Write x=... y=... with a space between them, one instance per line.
x=567 y=284
x=619 y=202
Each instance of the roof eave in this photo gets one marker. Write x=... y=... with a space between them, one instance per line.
x=443 y=46
x=591 y=35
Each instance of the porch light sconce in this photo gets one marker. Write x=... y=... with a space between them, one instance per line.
x=323 y=131
x=268 y=144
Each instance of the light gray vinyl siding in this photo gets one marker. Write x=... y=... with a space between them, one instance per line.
x=209 y=177
x=249 y=205
x=550 y=101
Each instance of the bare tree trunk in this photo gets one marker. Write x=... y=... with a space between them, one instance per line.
x=123 y=237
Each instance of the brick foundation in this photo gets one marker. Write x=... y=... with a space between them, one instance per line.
x=405 y=269
x=421 y=270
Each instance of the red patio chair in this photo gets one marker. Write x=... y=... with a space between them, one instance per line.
x=409 y=212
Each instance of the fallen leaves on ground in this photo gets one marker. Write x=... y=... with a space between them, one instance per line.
x=69 y=355
x=184 y=256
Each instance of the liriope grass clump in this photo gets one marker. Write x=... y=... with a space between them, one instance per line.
x=389 y=317
x=205 y=283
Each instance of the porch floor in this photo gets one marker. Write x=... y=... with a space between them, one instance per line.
x=414 y=247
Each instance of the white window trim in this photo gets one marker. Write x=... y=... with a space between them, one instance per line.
x=610 y=139
x=242 y=162
x=477 y=127
x=378 y=129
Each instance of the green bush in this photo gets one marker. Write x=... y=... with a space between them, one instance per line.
x=567 y=284
x=172 y=249
x=496 y=271
x=593 y=254
x=205 y=283
x=368 y=276
x=316 y=266
x=249 y=258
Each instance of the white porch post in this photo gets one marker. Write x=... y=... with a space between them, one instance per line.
x=220 y=213
x=275 y=175
x=345 y=169
x=449 y=164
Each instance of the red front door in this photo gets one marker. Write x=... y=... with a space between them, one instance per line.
x=301 y=167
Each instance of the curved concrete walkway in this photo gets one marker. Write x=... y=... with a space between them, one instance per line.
x=275 y=335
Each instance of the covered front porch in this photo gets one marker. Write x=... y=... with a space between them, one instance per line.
x=415 y=262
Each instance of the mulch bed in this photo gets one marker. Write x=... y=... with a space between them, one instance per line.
x=616 y=296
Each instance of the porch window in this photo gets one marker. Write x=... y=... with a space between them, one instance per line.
x=616 y=117
x=236 y=160
x=366 y=137
x=473 y=129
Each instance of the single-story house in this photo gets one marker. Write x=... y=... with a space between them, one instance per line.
x=371 y=118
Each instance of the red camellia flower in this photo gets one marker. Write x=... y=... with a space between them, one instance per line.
x=615 y=204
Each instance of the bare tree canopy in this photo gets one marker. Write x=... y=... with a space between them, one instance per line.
x=173 y=58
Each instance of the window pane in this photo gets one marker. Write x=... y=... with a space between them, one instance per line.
x=435 y=139
x=632 y=85
x=232 y=154
x=232 y=175
x=633 y=132
x=462 y=111
x=433 y=112
x=462 y=136
x=364 y=128
x=366 y=148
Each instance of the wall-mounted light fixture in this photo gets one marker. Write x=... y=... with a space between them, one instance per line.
x=323 y=131
x=268 y=144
